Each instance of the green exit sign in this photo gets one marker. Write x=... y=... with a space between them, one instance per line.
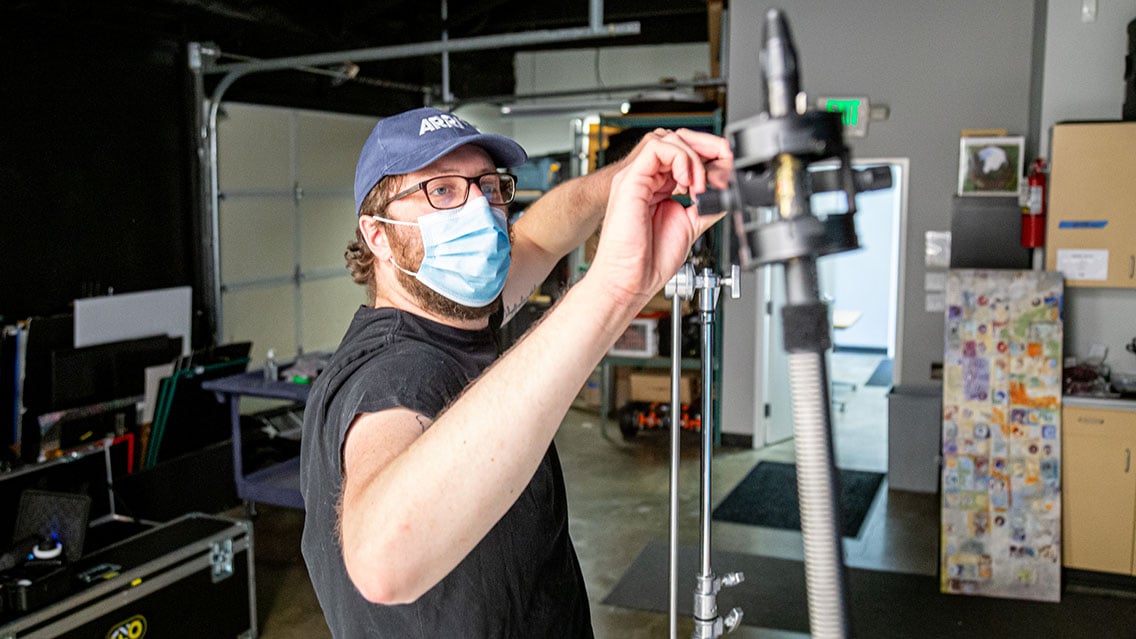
x=849 y=110
x=853 y=113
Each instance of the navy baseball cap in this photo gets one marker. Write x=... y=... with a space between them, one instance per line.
x=411 y=140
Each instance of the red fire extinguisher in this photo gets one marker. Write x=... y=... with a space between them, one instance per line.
x=1033 y=214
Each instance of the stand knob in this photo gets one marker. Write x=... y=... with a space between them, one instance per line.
x=734 y=281
x=732 y=579
x=733 y=620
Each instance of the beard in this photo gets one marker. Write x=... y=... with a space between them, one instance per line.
x=407 y=250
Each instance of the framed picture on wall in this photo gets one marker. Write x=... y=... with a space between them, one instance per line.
x=990 y=166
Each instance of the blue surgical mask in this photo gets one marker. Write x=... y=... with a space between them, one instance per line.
x=466 y=252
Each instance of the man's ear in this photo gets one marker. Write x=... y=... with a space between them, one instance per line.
x=375 y=235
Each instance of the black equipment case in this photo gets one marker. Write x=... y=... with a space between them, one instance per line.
x=191 y=577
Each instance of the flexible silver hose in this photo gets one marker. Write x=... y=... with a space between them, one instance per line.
x=817 y=492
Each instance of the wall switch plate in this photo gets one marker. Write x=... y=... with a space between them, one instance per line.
x=1088 y=10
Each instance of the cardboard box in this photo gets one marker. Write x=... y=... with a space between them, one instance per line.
x=656 y=387
x=1090 y=220
x=621 y=377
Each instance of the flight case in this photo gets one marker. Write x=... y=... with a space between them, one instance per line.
x=192 y=577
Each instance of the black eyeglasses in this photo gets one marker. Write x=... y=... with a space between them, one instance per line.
x=452 y=191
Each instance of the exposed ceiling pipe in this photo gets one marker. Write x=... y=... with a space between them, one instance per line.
x=446 y=96
x=344 y=72
x=476 y=43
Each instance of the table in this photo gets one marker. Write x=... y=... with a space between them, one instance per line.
x=842 y=319
x=278 y=484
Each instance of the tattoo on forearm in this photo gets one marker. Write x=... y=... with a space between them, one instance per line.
x=513 y=309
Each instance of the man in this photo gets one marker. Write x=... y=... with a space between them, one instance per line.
x=434 y=499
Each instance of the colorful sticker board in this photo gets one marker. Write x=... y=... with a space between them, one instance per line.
x=1001 y=475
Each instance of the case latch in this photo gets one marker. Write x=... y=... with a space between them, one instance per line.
x=221 y=558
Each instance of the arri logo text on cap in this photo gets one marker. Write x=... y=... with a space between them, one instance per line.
x=435 y=122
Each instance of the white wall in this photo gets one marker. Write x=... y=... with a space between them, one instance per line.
x=1084 y=80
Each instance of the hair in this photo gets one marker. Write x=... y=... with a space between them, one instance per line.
x=360 y=259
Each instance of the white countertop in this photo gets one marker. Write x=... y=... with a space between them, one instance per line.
x=1099 y=402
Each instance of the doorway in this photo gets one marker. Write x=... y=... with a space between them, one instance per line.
x=862 y=289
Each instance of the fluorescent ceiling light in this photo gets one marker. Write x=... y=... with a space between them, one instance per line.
x=577 y=107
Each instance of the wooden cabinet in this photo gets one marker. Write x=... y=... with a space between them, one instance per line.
x=1099 y=489
x=1091 y=215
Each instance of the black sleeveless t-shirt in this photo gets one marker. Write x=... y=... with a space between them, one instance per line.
x=522 y=580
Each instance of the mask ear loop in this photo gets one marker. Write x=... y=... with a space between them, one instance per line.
x=395 y=264
x=386 y=220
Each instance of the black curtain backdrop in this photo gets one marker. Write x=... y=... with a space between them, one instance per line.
x=97 y=179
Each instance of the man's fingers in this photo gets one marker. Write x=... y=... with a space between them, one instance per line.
x=718 y=173
x=708 y=146
x=669 y=152
x=711 y=151
x=680 y=162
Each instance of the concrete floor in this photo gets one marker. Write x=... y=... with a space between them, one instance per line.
x=618 y=500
